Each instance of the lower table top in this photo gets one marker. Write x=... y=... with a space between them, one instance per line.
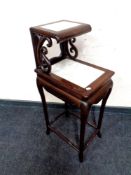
x=77 y=73
x=76 y=77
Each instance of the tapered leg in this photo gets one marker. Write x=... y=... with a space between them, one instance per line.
x=41 y=91
x=102 y=112
x=85 y=109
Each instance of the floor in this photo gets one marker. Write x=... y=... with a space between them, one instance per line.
x=25 y=149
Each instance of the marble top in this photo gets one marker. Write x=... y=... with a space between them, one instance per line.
x=60 y=25
x=75 y=72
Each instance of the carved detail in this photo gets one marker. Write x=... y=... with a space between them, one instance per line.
x=72 y=50
x=42 y=51
x=41 y=44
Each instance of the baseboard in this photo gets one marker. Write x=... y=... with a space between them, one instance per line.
x=110 y=109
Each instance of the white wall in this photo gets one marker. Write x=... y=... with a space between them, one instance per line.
x=108 y=44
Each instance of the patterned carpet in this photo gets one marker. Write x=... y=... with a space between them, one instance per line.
x=25 y=149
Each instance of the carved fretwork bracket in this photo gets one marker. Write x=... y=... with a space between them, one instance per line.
x=42 y=51
x=67 y=49
x=72 y=51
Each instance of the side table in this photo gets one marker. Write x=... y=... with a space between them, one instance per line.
x=68 y=78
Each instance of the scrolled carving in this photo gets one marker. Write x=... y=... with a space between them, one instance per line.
x=41 y=44
x=72 y=50
x=42 y=51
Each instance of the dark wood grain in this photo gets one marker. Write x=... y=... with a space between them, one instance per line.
x=62 y=35
x=66 y=90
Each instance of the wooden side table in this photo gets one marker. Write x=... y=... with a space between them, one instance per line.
x=73 y=81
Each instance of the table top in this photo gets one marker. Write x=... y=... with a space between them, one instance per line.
x=79 y=74
x=62 y=30
x=77 y=77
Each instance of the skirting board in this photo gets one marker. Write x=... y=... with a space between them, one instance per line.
x=110 y=109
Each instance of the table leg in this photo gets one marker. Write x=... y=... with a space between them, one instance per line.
x=85 y=109
x=102 y=112
x=41 y=91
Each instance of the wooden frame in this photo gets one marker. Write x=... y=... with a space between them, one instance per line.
x=62 y=35
x=67 y=91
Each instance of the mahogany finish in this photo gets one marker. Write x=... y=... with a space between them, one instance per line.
x=70 y=93
x=65 y=34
